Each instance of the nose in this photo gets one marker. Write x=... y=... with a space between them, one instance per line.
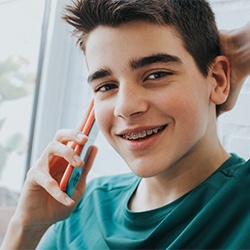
x=131 y=101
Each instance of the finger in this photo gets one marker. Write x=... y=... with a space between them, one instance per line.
x=81 y=185
x=69 y=135
x=43 y=179
x=89 y=159
x=55 y=148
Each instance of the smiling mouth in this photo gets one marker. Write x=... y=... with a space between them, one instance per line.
x=143 y=134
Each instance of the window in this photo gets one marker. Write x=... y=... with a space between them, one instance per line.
x=21 y=30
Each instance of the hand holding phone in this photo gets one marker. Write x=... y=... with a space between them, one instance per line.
x=72 y=174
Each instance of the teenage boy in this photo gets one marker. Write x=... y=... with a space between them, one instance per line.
x=159 y=81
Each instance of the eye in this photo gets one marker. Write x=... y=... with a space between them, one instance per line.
x=106 y=87
x=158 y=75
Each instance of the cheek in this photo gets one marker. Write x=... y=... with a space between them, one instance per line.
x=186 y=109
x=194 y=121
x=100 y=118
x=176 y=105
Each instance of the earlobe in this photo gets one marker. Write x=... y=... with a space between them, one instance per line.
x=220 y=75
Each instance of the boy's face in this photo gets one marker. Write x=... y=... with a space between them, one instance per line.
x=151 y=101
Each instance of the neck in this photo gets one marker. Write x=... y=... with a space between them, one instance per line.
x=177 y=180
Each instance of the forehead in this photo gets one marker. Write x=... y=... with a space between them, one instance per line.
x=126 y=42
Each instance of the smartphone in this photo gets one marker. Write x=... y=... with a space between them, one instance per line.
x=71 y=174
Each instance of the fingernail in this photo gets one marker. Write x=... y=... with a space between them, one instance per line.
x=77 y=159
x=68 y=200
x=80 y=136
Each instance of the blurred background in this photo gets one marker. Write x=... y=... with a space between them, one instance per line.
x=43 y=88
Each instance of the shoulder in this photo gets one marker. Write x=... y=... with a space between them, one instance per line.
x=108 y=188
x=237 y=169
x=103 y=195
x=242 y=173
x=232 y=165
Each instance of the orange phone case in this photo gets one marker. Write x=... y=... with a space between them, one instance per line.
x=86 y=127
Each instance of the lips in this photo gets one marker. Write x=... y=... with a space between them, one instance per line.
x=142 y=134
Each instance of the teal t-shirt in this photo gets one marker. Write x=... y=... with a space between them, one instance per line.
x=214 y=215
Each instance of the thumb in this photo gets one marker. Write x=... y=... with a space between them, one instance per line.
x=81 y=185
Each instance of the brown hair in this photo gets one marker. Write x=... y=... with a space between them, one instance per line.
x=192 y=19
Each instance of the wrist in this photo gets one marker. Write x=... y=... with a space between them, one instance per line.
x=23 y=236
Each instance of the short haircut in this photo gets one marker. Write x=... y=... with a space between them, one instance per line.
x=192 y=19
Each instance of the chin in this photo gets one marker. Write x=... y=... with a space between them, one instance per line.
x=144 y=170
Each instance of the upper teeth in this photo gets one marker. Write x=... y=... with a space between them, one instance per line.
x=141 y=134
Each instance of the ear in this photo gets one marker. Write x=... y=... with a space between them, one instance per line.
x=219 y=73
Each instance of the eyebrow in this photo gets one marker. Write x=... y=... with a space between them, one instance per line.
x=155 y=58
x=138 y=63
x=99 y=74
